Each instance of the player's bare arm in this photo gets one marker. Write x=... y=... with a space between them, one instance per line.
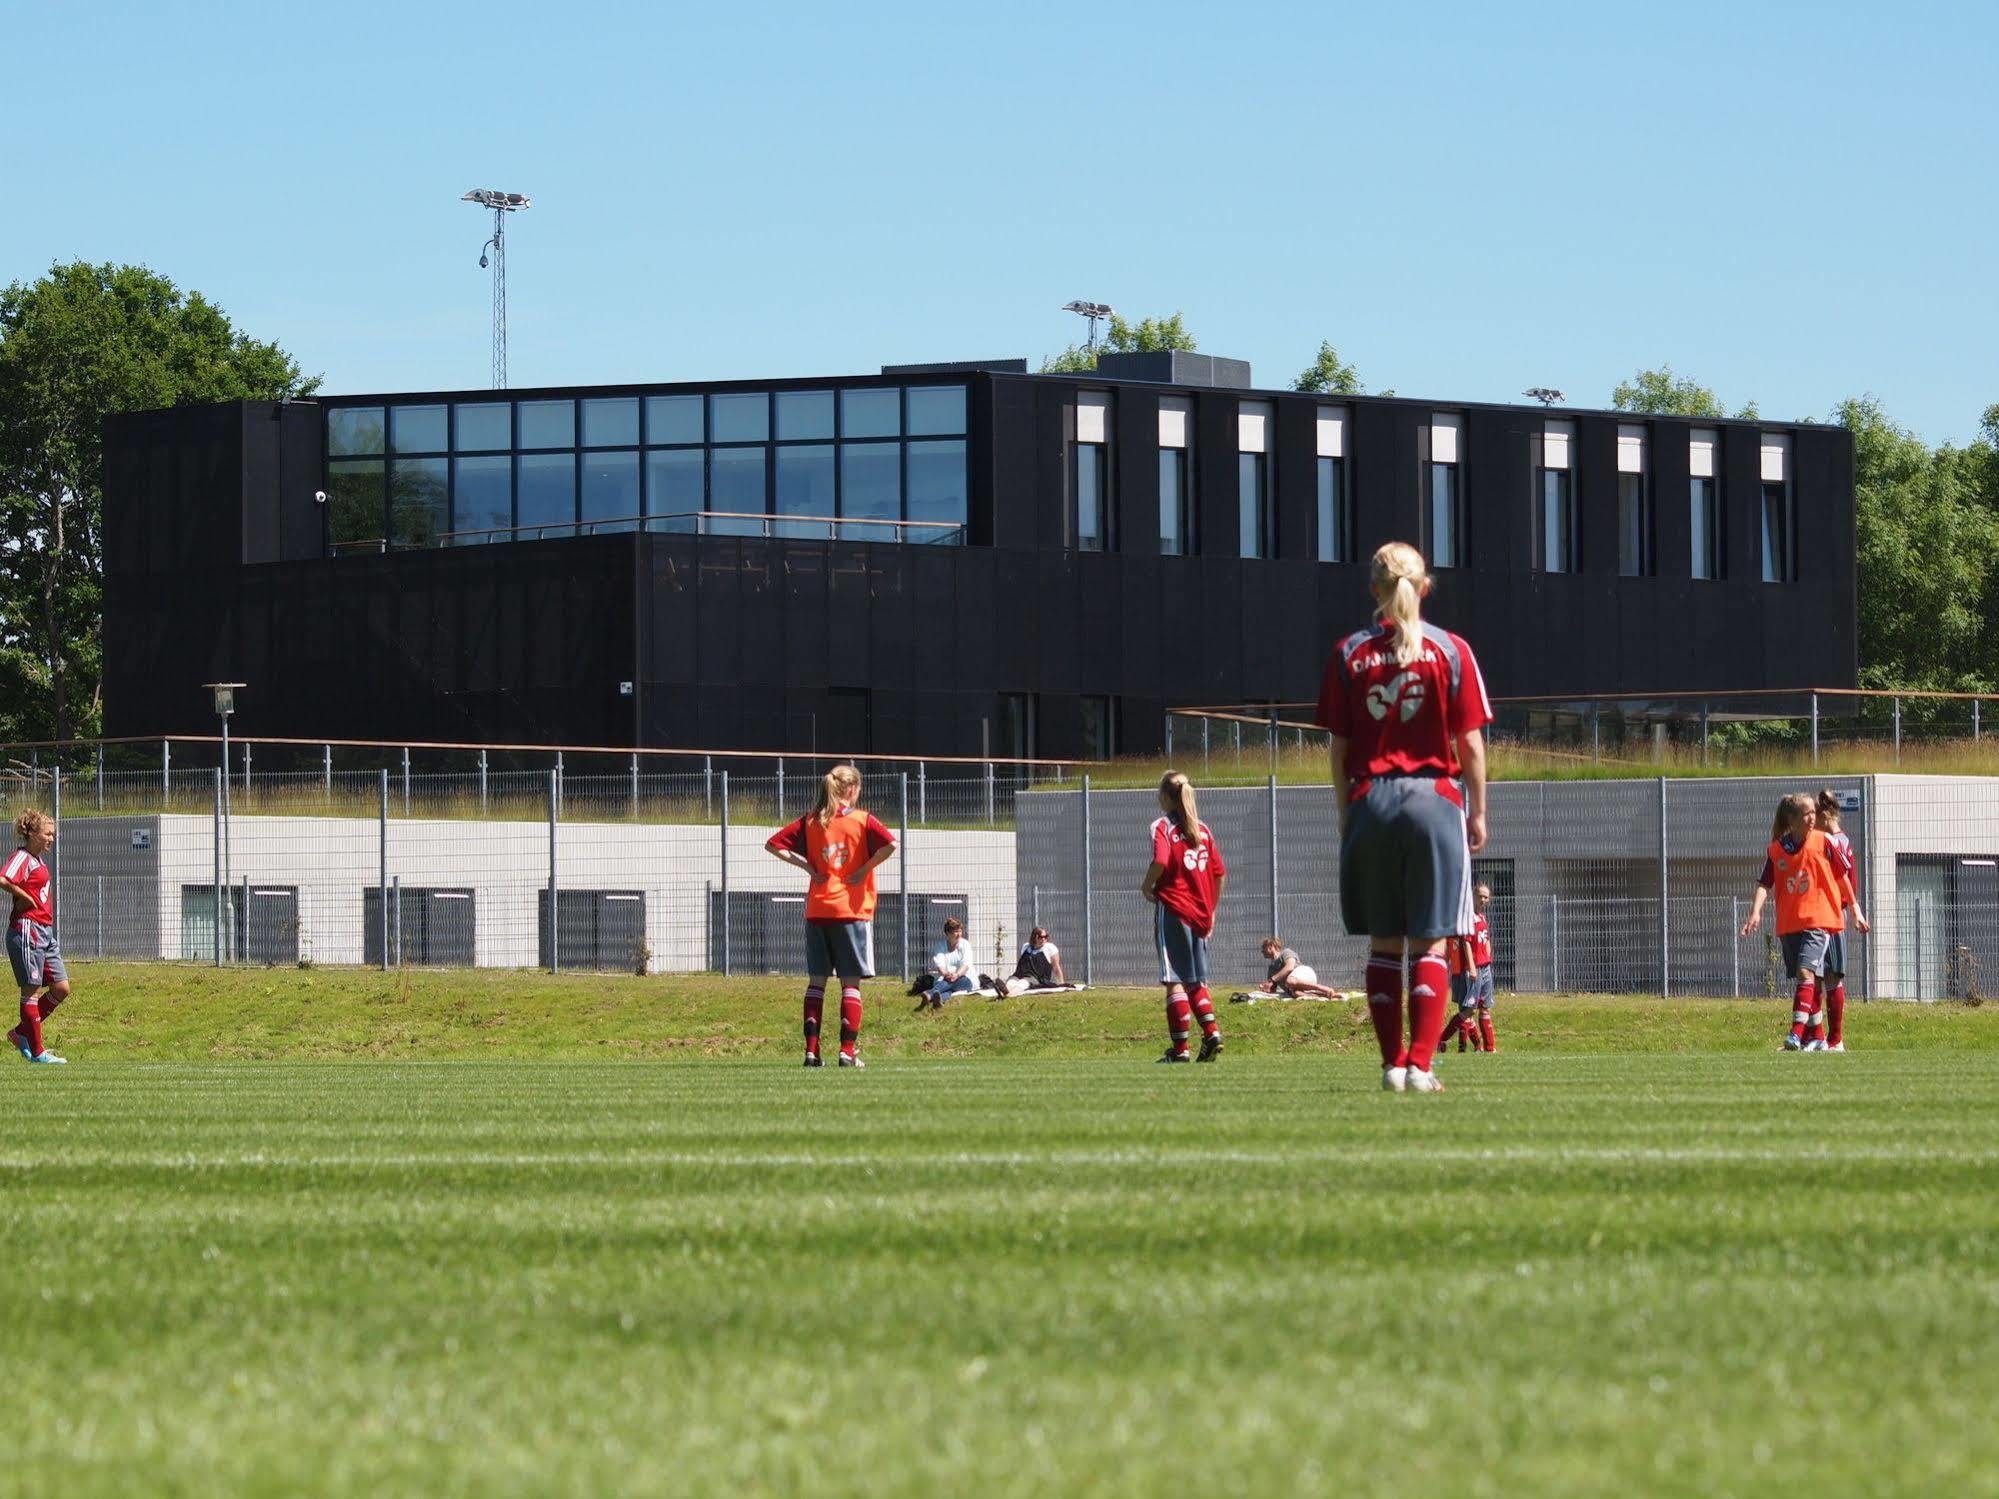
x=1338 y=751
x=1756 y=911
x=1471 y=757
x=794 y=859
x=874 y=861
x=1149 y=886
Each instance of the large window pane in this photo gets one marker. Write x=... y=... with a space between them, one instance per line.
x=418 y=429
x=1332 y=511
x=936 y=409
x=1089 y=485
x=548 y=424
x=1445 y=550
x=485 y=427
x=353 y=429
x=870 y=488
x=739 y=418
x=1634 y=527
x=1777 y=543
x=1099 y=722
x=674 y=492
x=611 y=422
x=354 y=501
x=611 y=491
x=804 y=414
x=547 y=483
x=417 y=501
x=736 y=485
x=805 y=486
x=871 y=413
x=1253 y=539
x=1557 y=531
x=1702 y=517
x=674 y=419
x=937 y=491
x=482 y=499
x=1172 y=502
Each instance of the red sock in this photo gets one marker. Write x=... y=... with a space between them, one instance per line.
x=1204 y=1011
x=1485 y=1030
x=1835 y=1014
x=815 y=1006
x=31 y=1024
x=1429 y=999
x=1179 y=1018
x=1384 y=1008
x=850 y=1017
x=1802 y=1007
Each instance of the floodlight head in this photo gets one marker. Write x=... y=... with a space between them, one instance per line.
x=1088 y=309
x=1544 y=394
x=482 y=257
x=225 y=696
x=492 y=197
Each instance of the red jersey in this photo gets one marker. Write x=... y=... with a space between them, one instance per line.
x=1187 y=888
x=847 y=842
x=32 y=875
x=1839 y=854
x=1402 y=720
x=1481 y=942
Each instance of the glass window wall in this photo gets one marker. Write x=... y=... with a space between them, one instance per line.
x=483 y=427
x=548 y=424
x=547 y=494
x=418 y=429
x=610 y=491
x=482 y=498
x=611 y=422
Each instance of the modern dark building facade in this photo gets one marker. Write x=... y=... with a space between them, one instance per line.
x=941 y=559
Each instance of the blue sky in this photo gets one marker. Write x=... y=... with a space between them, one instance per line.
x=1791 y=202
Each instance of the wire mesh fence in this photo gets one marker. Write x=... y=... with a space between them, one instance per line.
x=1638 y=886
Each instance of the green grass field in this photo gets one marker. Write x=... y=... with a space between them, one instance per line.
x=284 y=1233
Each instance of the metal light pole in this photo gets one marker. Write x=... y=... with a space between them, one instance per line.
x=502 y=204
x=225 y=704
x=1093 y=311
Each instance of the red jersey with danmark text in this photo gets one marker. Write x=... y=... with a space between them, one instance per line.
x=1481 y=942
x=1187 y=888
x=834 y=851
x=32 y=875
x=1402 y=720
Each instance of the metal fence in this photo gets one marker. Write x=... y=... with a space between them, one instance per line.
x=1611 y=886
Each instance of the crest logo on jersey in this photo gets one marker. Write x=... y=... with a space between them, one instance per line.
x=1799 y=883
x=836 y=854
x=1403 y=696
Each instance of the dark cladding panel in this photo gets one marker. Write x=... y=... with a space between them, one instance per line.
x=761 y=624
x=849 y=614
x=1742 y=500
x=1383 y=473
x=1054 y=427
x=1823 y=478
x=1016 y=463
x=262 y=484
x=1217 y=485
x=1669 y=474
x=1294 y=477
x=1593 y=464
x=895 y=610
x=718 y=608
x=1496 y=466
x=981 y=457
x=302 y=451
x=808 y=643
x=674 y=652
x=1135 y=472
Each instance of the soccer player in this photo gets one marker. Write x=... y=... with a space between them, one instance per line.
x=31 y=935
x=1471 y=978
x=1407 y=710
x=1830 y=1033
x=1797 y=868
x=839 y=847
x=1184 y=883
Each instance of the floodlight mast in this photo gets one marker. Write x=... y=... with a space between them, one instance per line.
x=1093 y=311
x=1546 y=395
x=502 y=204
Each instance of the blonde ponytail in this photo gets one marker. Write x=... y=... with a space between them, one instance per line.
x=1400 y=578
x=1176 y=798
x=840 y=785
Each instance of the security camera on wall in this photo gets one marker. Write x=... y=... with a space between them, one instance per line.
x=319 y=497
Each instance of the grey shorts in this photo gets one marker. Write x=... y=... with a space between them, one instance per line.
x=1473 y=991
x=1405 y=868
x=1183 y=957
x=31 y=948
x=1835 y=954
x=846 y=948
x=1804 y=952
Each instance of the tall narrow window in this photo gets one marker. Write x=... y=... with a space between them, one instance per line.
x=1099 y=728
x=1443 y=496
x=1254 y=538
x=1088 y=483
x=1704 y=500
x=1780 y=541
x=1176 y=515
x=1016 y=725
x=1334 y=529
x=1634 y=505
x=1558 y=510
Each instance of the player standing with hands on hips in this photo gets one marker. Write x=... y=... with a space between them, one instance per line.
x=839 y=846
x=1184 y=883
x=1407 y=710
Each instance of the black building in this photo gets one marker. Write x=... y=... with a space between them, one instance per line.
x=933 y=559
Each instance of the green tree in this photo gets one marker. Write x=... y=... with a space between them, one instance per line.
x=1144 y=337
x=1329 y=375
x=1927 y=552
x=79 y=344
x=1660 y=392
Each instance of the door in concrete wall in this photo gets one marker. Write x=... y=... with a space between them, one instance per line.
x=260 y=924
x=432 y=928
x=600 y=929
